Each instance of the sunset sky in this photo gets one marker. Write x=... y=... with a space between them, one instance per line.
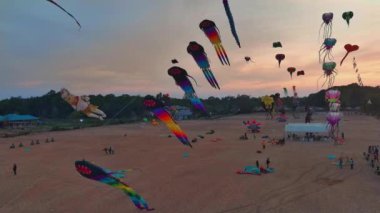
x=125 y=46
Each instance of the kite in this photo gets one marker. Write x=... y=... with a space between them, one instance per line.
x=326 y=24
x=286 y=92
x=357 y=71
x=231 y=20
x=301 y=72
x=277 y=44
x=329 y=73
x=279 y=58
x=349 y=48
x=199 y=55
x=326 y=49
x=332 y=96
x=82 y=104
x=174 y=61
x=181 y=79
x=279 y=103
x=63 y=9
x=157 y=108
x=212 y=33
x=333 y=119
x=348 y=16
x=112 y=178
x=248 y=59
x=295 y=102
x=253 y=126
x=267 y=102
x=291 y=70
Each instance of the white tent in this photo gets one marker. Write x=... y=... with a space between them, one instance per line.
x=296 y=128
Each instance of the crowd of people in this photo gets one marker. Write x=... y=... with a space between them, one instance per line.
x=32 y=143
x=372 y=156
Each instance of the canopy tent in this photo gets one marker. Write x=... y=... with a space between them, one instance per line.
x=312 y=131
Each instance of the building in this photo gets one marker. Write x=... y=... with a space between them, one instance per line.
x=18 y=121
x=182 y=113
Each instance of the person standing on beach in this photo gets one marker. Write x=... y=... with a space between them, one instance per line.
x=352 y=163
x=257 y=164
x=268 y=162
x=340 y=163
x=14 y=169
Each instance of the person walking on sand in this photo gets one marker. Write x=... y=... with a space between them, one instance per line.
x=14 y=169
x=340 y=163
x=268 y=162
x=351 y=164
x=106 y=151
x=257 y=164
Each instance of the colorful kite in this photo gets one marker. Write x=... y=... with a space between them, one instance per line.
x=199 y=55
x=291 y=70
x=329 y=73
x=267 y=102
x=327 y=25
x=279 y=58
x=348 y=16
x=63 y=9
x=332 y=96
x=326 y=49
x=349 y=48
x=277 y=44
x=182 y=79
x=212 y=33
x=157 y=108
x=231 y=20
x=82 y=104
x=333 y=119
x=360 y=82
x=112 y=178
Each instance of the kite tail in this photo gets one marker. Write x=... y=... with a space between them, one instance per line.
x=231 y=21
x=211 y=78
x=139 y=201
x=224 y=54
x=197 y=103
x=63 y=9
x=220 y=54
x=341 y=62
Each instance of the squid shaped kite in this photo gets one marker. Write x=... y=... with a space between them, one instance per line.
x=347 y=16
x=93 y=172
x=157 y=108
x=291 y=70
x=199 y=55
x=231 y=20
x=63 y=9
x=82 y=104
x=326 y=24
x=326 y=49
x=181 y=79
x=212 y=33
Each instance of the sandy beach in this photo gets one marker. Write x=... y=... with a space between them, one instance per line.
x=204 y=182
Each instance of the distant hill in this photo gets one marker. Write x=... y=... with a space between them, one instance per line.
x=51 y=106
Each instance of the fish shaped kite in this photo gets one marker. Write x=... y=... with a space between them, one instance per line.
x=199 y=55
x=231 y=21
x=157 y=108
x=64 y=10
x=94 y=172
x=82 y=104
x=212 y=33
x=181 y=79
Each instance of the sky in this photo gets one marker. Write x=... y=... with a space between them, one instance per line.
x=126 y=46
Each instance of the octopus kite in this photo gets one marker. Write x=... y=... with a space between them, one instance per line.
x=326 y=49
x=231 y=20
x=347 y=16
x=327 y=25
x=63 y=9
x=212 y=33
x=181 y=79
x=279 y=58
x=82 y=104
x=157 y=108
x=329 y=73
x=93 y=172
x=199 y=55
x=291 y=70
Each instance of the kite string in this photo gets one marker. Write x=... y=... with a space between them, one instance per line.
x=122 y=109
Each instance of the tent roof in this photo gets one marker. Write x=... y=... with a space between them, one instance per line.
x=306 y=127
x=15 y=117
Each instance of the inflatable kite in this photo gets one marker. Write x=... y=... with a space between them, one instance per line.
x=348 y=16
x=63 y=9
x=199 y=55
x=277 y=44
x=267 y=102
x=253 y=126
x=333 y=119
x=349 y=48
x=329 y=73
x=291 y=70
x=82 y=104
x=174 y=61
x=301 y=72
x=212 y=33
x=286 y=92
x=157 y=108
x=248 y=59
x=231 y=21
x=182 y=79
x=327 y=25
x=332 y=96
x=93 y=172
x=279 y=58
x=326 y=49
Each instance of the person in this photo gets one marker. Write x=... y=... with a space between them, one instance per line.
x=372 y=163
x=106 y=151
x=12 y=146
x=341 y=163
x=352 y=163
x=343 y=135
x=14 y=169
x=268 y=162
x=32 y=143
x=38 y=142
x=52 y=140
x=47 y=140
x=20 y=145
x=257 y=164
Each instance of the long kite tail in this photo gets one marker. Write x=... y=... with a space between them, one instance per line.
x=139 y=201
x=63 y=9
x=222 y=54
x=165 y=117
x=231 y=20
x=197 y=103
x=210 y=78
x=341 y=62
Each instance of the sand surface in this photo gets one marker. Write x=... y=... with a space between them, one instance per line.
x=304 y=180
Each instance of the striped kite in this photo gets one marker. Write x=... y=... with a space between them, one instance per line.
x=212 y=33
x=112 y=178
x=199 y=55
